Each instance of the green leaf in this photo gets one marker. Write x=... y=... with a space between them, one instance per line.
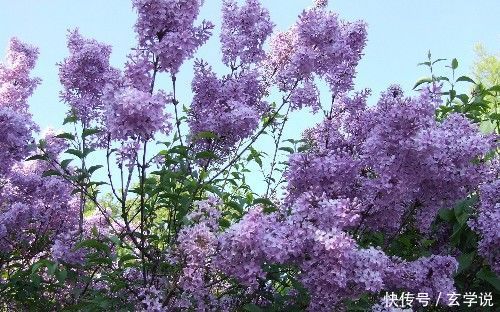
x=464 y=98
x=224 y=223
x=100 y=260
x=205 y=155
x=441 y=78
x=269 y=206
x=438 y=60
x=97 y=183
x=70 y=119
x=65 y=135
x=93 y=244
x=457 y=233
x=91 y=131
x=302 y=148
x=453 y=94
x=51 y=268
x=462 y=219
x=87 y=151
x=75 y=152
x=464 y=261
x=235 y=206
x=454 y=63
x=494 y=88
x=61 y=275
x=51 y=172
x=422 y=81
x=65 y=163
x=125 y=258
x=447 y=215
x=287 y=149
x=424 y=63
x=490 y=277
x=465 y=206
x=94 y=168
x=40 y=264
x=36 y=280
x=465 y=78
x=263 y=201
x=37 y=157
x=206 y=135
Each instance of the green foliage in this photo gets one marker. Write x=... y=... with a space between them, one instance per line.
x=473 y=274
x=477 y=99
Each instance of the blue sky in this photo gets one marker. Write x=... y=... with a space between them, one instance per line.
x=399 y=34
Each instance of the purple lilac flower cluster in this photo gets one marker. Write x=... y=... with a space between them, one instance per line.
x=133 y=113
x=366 y=168
x=487 y=224
x=312 y=234
x=166 y=29
x=318 y=45
x=16 y=86
x=393 y=157
x=84 y=75
x=34 y=208
x=230 y=107
x=244 y=31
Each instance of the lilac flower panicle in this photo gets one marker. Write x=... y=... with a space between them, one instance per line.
x=321 y=45
x=166 y=29
x=126 y=153
x=198 y=246
x=34 y=204
x=230 y=107
x=132 y=113
x=138 y=70
x=241 y=252
x=53 y=145
x=307 y=94
x=432 y=275
x=84 y=75
x=151 y=300
x=16 y=131
x=320 y=3
x=487 y=224
x=392 y=158
x=244 y=31
x=16 y=85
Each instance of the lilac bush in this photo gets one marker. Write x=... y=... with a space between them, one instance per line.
x=401 y=196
